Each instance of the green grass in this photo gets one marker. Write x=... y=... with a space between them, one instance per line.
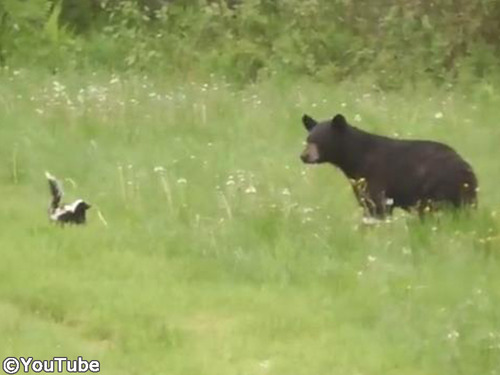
x=218 y=251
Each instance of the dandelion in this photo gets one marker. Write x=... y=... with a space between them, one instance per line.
x=453 y=335
x=58 y=87
x=367 y=220
x=250 y=190
x=265 y=365
x=285 y=192
x=343 y=105
x=438 y=115
x=406 y=251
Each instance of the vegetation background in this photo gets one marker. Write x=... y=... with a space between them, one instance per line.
x=210 y=248
x=394 y=41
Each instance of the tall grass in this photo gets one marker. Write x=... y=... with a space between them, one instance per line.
x=220 y=252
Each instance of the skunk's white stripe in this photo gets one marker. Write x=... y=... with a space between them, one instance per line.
x=73 y=206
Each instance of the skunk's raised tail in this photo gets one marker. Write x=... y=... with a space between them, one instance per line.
x=55 y=191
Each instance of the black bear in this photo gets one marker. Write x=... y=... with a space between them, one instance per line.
x=386 y=173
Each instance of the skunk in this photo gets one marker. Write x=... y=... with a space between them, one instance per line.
x=73 y=213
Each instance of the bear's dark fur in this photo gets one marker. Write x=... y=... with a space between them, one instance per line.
x=387 y=173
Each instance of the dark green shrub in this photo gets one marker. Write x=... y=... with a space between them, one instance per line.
x=392 y=41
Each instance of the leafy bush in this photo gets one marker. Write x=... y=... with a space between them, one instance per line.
x=393 y=41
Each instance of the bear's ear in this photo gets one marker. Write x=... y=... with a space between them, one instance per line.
x=309 y=122
x=339 y=122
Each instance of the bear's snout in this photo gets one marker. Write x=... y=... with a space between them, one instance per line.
x=310 y=155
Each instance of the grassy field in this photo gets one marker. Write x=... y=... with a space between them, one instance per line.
x=211 y=249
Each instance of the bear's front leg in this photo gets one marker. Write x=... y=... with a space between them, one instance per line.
x=372 y=198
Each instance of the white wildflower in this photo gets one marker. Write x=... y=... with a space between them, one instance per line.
x=368 y=220
x=250 y=190
x=265 y=364
x=58 y=87
x=453 y=335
